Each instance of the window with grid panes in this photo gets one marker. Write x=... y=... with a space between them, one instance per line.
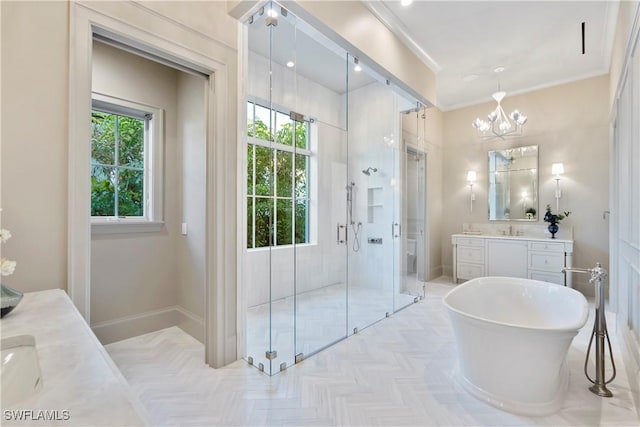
x=278 y=158
x=126 y=162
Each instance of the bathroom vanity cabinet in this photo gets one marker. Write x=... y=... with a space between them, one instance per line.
x=506 y=257
x=468 y=257
x=512 y=256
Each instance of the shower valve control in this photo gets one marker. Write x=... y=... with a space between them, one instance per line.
x=375 y=240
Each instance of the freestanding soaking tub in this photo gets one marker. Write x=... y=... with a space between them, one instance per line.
x=513 y=336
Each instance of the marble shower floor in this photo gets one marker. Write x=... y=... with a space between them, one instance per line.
x=396 y=372
x=321 y=320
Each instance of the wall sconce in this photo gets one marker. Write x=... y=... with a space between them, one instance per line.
x=557 y=169
x=471 y=178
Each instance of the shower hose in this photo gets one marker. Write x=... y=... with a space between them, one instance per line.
x=356 y=239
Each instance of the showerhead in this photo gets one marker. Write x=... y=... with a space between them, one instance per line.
x=368 y=171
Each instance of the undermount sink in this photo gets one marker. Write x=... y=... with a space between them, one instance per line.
x=21 y=376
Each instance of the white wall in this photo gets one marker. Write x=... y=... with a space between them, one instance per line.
x=569 y=123
x=191 y=155
x=34 y=142
x=625 y=216
x=374 y=141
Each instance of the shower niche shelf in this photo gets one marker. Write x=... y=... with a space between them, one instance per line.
x=374 y=204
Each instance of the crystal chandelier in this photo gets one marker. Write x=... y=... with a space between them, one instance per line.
x=498 y=124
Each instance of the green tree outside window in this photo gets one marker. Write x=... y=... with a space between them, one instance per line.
x=277 y=181
x=117 y=165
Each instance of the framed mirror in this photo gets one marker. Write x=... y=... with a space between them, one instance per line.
x=513 y=184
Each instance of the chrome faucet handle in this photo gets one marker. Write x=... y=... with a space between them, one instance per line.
x=598 y=273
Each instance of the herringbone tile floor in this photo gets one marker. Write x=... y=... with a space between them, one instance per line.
x=321 y=319
x=398 y=372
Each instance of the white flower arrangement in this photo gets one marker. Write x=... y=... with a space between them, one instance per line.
x=7 y=267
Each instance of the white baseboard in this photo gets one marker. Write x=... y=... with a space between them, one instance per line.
x=447 y=270
x=142 y=323
x=191 y=323
x=435 y=272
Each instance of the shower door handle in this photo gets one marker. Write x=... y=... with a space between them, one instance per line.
x=393 y=229
x=338 y=227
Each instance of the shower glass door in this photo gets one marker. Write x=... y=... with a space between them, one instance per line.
x=412 y=202
x=324 y=193
x=317 y=87
x=372 y=175
x=413 y=256
x=296 y=191
x=270 y=226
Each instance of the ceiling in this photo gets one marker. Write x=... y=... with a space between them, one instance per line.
x=314 y=56
x=539 y=43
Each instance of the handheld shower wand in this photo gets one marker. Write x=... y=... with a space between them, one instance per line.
x=599 y=387
x=356 y=227
x=350 y=200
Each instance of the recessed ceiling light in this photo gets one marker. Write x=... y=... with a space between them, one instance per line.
x=498 y=69
x=406 y=2
x=357 y=68
x=470 y=77
x=272 y=13
x=290 y=64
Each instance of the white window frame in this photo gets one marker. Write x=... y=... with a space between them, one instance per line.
x=153 y=219
x=309 y=153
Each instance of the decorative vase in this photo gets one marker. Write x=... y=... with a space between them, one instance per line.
x=553 y=229
x=9 y=299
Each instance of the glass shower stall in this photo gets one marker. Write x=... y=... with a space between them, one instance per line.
x=332 y=222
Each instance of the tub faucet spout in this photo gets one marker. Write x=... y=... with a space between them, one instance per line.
x=598 y=274
x=600 y=333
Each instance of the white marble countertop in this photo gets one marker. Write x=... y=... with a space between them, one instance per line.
x=507 y=237
x=78 y=375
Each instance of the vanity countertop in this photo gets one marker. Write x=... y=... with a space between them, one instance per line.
x=507 y=237
x=78 y=376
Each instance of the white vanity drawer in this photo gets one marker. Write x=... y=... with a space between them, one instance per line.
x=557 y=278
x=553 y=262
x=470 y=271
x=471 y=254
x=546 y=246
x=470 y=241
